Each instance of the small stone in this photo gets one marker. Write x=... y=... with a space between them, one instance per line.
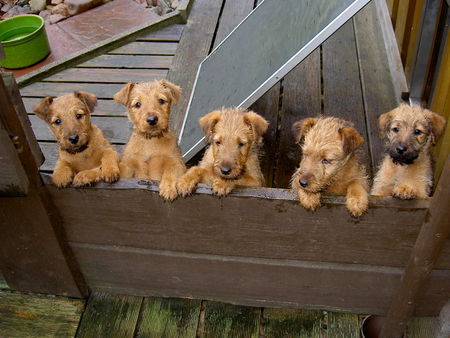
x=54 y=18
x=56 y=2
x=38 y=5
x=60 y=9
x=45 y=14
x=49 y=7
x=22 y=2
x=6 y=7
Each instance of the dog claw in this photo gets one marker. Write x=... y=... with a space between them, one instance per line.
x=404 y=193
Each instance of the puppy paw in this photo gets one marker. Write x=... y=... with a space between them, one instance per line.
x=110 y=174
x=221 y=187
x=168 y=190
x=85 y=177
x=309 y=201
x=356 y=205
x=62 y=179
x=186 y=186
x=404 y=192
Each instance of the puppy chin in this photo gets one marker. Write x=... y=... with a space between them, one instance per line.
x=73 y=149
x=403 y=159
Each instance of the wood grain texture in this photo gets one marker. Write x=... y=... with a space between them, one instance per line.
x=342 y=95
x=226 y=320
x=105 y=75
x=129 y=61
x=109 y=315
x=147 y=48
x=169 y=33
x=193 y=47
x=116 y=129
x=42 y=89
x=27 y=315
x=378 y=89
x=294 y=323
x=169 y=317
x=267 y=224
x=251 y=281
x=342 y=325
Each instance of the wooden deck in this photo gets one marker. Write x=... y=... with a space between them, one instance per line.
x=109 y=315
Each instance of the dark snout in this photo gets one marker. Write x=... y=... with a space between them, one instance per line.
x=225 y=170
x=402 y=154
x=74 y=139
x=152 y=120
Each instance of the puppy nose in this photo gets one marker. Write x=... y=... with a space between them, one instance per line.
x=152 y=120
x=73 y=139
x=225 y=170
x=303 y=182
x=401 y=149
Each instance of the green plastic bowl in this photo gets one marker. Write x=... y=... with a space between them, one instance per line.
x=24 y=41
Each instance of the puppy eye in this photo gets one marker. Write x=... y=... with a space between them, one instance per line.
x=217 y=143
x=325 y=161
x=395 y=130
x=79 y=116
x=137 y=105
x=241 y=144
x=417 y=132
x=58 y=121
x=161 y=101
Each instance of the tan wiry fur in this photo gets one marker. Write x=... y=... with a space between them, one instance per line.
x=330 y=163
x=152 y=151
x=91 y=158
x=406 y=170
x=232 y=157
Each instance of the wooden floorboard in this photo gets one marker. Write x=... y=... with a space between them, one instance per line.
x=147 y=48
x=169 y=33
x=109 y=315
x=42 y=89
x=129 y=61
x=26 y=315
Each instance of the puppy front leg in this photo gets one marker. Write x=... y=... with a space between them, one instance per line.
x=88 y=177
x=357 y=199
x=309 y=200
x=187 y=183
x=133 y=168
x=222 y=187
x=110 y=166
x=63 y=174
x=173 y=169
x=383 y=182
x=415 y=182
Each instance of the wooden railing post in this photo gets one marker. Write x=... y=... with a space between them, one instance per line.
x=33 y=254
x=426 y=251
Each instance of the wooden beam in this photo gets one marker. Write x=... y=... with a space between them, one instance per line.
x=431 y=239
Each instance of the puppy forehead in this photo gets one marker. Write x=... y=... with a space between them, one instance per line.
x=148 y=89
x=410 y=115
x=67 y=103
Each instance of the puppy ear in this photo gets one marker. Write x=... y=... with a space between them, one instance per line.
x=437 y=122
x=123 y=95
x=384 y=122
x=256 y=123
x=301 y=128
x=42 y=109
x=208 y=122
x=351 y=139
x=175 y=91
x=90 y=100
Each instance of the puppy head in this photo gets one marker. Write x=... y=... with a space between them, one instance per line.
x=149 y=105
x=327 y=145
x=232 y=133
x=409 y=131
x=69 y=118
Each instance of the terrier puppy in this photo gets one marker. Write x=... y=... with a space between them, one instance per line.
x=330 y=163
x=232 y=157
x=85 y=156
x=406 y=170
x=152 y=151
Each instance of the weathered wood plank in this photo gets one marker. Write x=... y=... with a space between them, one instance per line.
x=169 y=318
x=147 y=48
x=116 y=129
x=102 y=75
x=50 y=151
x=26 y=315
x=194 y=45
x=342 y=96
x=376 y=80
x=104 y=107
x=251 y=281
x=342 y=325
x=128 y=61
x=226 y=320
x=294 y=323
x=42 y=89
x=384 y=236
x=109 y=315
x=169 y=33
x=301 y=98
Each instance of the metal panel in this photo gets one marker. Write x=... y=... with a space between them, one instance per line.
x=267 y=44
